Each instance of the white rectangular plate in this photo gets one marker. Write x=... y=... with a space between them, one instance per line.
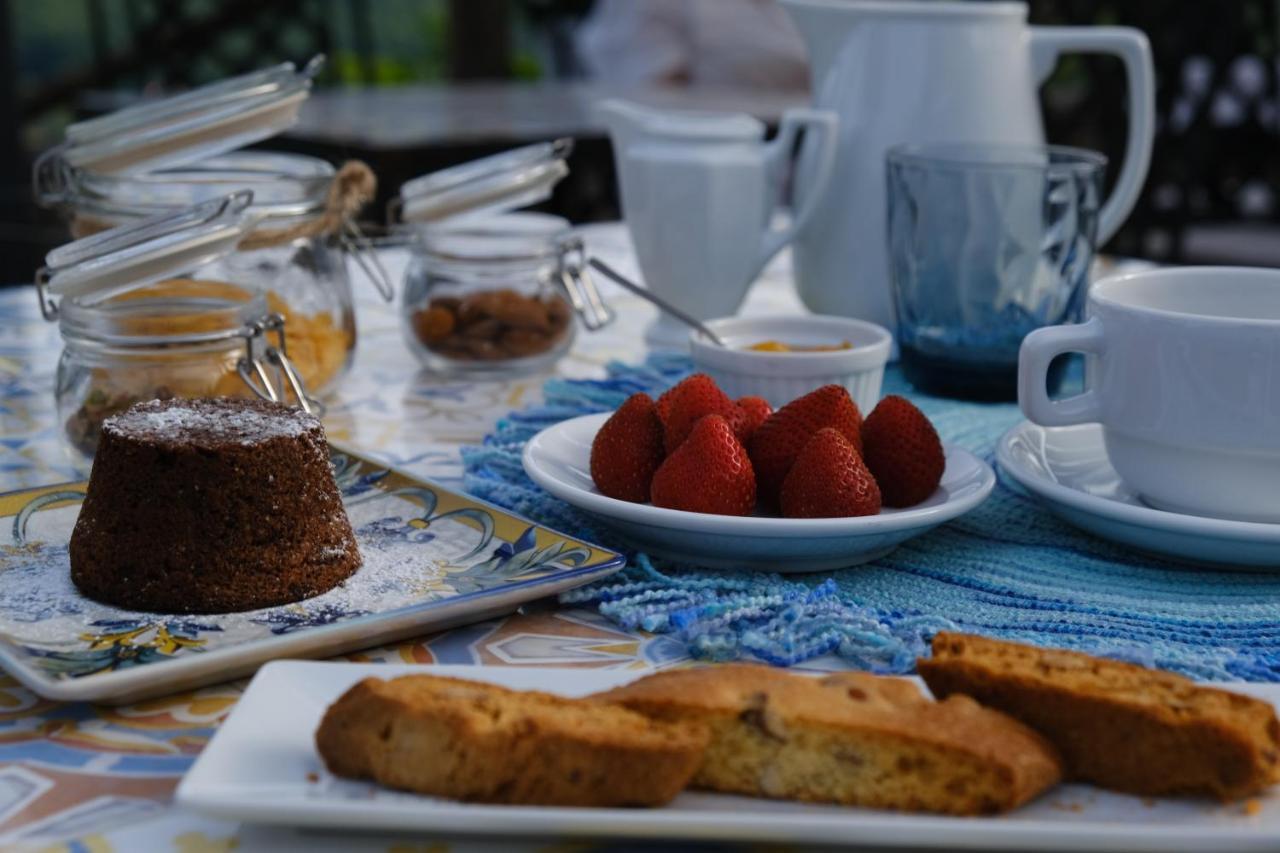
x=262 y=766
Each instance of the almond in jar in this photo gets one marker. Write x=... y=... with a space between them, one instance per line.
x=485 y=296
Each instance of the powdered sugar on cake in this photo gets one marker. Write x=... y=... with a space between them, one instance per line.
x=222 y=420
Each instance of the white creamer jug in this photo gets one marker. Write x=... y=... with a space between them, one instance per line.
x=906 y=71
x=699 y=192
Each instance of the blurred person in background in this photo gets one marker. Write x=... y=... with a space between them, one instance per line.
x=711 y=43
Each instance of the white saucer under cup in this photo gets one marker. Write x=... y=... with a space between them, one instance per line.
x=1067 y=470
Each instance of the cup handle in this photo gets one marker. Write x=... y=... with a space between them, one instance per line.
x=1135 y=51
x=823 y=124
x=1039 y=349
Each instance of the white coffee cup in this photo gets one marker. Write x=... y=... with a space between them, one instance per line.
x=1183 y=372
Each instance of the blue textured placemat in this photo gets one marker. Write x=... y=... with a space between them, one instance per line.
x=1007 y=569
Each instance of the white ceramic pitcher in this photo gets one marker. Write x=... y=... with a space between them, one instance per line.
x=699 y=191
x=906 y=71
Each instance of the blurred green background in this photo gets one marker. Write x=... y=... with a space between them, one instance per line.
x=1212 y=195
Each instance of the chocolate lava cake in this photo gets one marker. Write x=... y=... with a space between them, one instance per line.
x=211 y=506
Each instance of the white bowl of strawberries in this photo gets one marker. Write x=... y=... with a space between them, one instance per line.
x=703 y=479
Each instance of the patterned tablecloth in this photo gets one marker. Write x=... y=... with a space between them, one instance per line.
x=80 y=777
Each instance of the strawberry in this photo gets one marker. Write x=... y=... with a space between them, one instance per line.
x=779 y=440
x=829 y=480
x=664 y=405
x=627 y=450
x=709 y=472
x=755 y=411
x=902 y=450
x=692 y=400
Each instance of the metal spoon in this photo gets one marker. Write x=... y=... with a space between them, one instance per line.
x=619 y=279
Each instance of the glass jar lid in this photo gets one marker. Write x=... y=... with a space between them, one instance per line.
x=208 y=120
x=283 y=185
x=493 y=184
x=506 y=238
x=95 y=268
x=293 y=195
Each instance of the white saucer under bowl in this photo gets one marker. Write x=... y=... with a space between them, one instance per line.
x=558 y=459
x=1067 y=469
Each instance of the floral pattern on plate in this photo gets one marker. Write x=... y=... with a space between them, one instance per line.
x=423 y=546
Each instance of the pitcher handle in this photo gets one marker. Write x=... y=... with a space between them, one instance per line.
x=1132 y=47
x=823 y=124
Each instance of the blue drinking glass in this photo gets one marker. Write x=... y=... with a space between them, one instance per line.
x=986 y=244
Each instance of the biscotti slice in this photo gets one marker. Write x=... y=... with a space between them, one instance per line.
x=1117 y=725
x=466 y=740
x=850 y=738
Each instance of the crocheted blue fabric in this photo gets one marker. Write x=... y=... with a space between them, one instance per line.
x=1007 y=569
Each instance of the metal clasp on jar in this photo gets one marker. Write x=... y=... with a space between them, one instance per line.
x=580 y=287
x=51 y=177
x=260 y=352
x=362 y=250
x=48 y=308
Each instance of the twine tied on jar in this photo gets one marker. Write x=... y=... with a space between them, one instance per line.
x=353 y=186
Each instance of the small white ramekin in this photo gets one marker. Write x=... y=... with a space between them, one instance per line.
x=780 y=377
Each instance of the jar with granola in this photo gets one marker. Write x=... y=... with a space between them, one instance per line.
x=144 y=314
x=163 y=156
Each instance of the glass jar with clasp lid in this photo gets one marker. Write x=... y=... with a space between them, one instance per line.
x=491 y=291
x=141 y=319
x=163 y=156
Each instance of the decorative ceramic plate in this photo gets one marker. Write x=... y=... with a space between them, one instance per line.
x=262 y=767
x=558 y=459
x=1067 y=469
x=432 y=559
